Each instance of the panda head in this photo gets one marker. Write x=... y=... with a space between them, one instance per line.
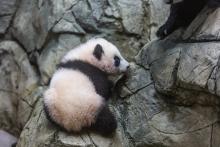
x=100 y=53
x=172 y=1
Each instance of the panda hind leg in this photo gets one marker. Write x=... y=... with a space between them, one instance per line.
x=105 y=123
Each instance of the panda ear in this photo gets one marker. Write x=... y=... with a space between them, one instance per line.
x=98 y=51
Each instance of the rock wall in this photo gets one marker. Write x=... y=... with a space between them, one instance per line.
x=170 y=98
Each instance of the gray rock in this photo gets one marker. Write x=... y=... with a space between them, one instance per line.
x=40 y=132
x=180 y=120
x=137 y=110
x=169 y=99
x=4 y=23
x=84 y=14
x=132 y=83
x=37 y=19
x=196 y=64
x=37 y=132
x=150 y=121
x=68 y=24
x=162 y=56
x=216 y=79
x=183 y=70
x=184 y=126
x=26 y=105
x=137 y=74
x=52 y=54
x=215 y=135
x=29 y=26
x=128 y=46
x=112 y=10
x=132 y=13
x=205 y=27
x=97 y=8
x=7 y=9
x=19 y=80
x=211 y=84
x=159 y=12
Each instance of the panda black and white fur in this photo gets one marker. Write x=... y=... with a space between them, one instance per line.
x=78 y=91
x=182 y=13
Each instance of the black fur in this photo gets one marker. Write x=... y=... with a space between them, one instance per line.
x=98 y=51
x=47 y=113
x=99 y=78
x=182 y=14
x=14 y=144
x=105 y=123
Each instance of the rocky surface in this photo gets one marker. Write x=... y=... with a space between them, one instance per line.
x=19 y=81
x=7 y=10
x=170 y=97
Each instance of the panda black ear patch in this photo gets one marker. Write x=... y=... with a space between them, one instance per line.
x=98 y=51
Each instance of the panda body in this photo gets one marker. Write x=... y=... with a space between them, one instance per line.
x=182 y=13
x=79 y=89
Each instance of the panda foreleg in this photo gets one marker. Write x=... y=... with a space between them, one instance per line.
x=171 y=23
x=105 y=123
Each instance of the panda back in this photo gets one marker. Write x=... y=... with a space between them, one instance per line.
x=97 y=77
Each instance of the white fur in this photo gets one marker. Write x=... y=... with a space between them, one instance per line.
x=84 y=52
x=71 y=99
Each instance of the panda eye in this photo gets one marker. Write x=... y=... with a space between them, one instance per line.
x=117 y=61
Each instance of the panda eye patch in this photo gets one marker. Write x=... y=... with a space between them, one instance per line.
x=117 y=61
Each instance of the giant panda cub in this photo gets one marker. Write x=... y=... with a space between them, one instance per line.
x=78 y=92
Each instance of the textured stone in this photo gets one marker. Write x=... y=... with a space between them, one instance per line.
x=52 y=54
x=84 y=15
x=112 y=10
x=132 y=13
x=187 y=71
x=150 y=121
x=40 y=132
x=216 y=79
x=137 y=74
x=205 y=27
x=196 y=63
x=215 y=135
x=29 y=26
x=4 y=23
x=169 y=99
x=180 y=120
x=162 y=56
x=137 y=110
x=7 y=9
x=185 y=126
x=159 y=13
x=37 y=132
x=68 y=24
x=26 y=105
x=19 y=80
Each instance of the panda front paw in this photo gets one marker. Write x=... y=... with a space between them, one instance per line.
x=162 y=32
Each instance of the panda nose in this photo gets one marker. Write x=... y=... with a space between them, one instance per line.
x=127 y=67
